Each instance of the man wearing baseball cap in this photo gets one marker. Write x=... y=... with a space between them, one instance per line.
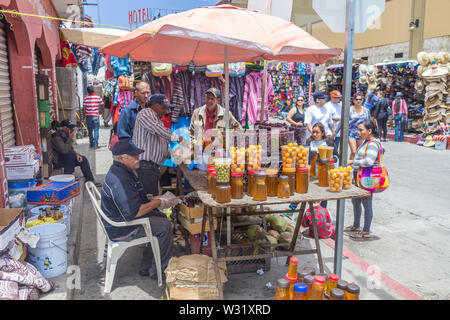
x=64 y=155
x=210 y=116
x=153 y=137
x=319 y=113
x=124 y=199
x=335 y=107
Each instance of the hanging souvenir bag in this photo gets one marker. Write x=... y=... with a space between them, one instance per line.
x=376 y=178
x=124 y=82
x=236 y=69
x=161 y=69
x=214 y=70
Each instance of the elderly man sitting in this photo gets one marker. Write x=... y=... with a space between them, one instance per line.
x=123 y=199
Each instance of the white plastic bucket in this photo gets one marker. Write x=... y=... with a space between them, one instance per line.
x=34 y=213
x=50 y=254
x=62 y=178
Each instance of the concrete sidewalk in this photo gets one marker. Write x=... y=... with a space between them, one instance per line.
x=86 y=250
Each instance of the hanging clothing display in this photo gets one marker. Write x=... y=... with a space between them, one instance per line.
x=97 y=61
x=67 y=57
x=84 y=53
x=199 y=84
x=237 y=85
x=180 y=98
x=109 y=69
x=121 y=66
x=124 y=98
x=253 y=96
x=162 y=85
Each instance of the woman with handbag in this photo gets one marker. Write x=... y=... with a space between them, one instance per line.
x=400 y=115
x=367 y=155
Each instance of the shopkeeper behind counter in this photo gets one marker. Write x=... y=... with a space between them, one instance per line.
x=210 y=116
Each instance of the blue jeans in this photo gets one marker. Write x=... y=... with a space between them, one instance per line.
x=368 y=213
x=399 y=120
x=93 y=125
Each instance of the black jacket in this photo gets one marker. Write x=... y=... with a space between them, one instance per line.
x=381 y=109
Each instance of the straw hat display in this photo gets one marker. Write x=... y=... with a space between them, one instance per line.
x=368 y=75
x=433 y=72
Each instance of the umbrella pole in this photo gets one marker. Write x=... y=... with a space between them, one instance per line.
x=227 y=103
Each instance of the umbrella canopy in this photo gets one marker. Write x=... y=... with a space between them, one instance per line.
x=92 y=37
x=200 y=35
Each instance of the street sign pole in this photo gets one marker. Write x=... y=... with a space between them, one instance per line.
x=346 y=103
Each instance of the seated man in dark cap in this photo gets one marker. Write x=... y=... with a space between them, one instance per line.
x=124 y=199
x=64 y=156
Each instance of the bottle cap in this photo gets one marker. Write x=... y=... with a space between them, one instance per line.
x=301 y=287
x=331 y=160
x=283 y=283
x=333 y=277
x=235 y=174
x=271 y=172
x=303 y=169
x=324 y=275
x=308 y=270
x=309 y=279
x=353 y=288
x=291 y=279
x=260 y=175
x=293 y=260
x=211 y=169
x=337 y=294
x=319 y=279
x=251 y=172
x=342 y=284
x=213 y=173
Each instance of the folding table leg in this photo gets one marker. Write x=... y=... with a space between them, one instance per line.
x=203 y=228
x=214 y=253
x=316 y=236
x=297 y=229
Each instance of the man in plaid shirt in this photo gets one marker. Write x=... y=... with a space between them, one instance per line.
x=323 y=220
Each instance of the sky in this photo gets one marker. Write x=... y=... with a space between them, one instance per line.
x=115 y=12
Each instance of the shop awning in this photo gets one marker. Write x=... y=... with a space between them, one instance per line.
x=92 y=37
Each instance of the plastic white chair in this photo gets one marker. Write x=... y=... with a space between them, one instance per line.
x=115 y=247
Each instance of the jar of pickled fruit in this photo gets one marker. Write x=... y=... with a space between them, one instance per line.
x=223 y=170
x=331 y=166
x=237 y=185
x=336 y=179
x=272 y=182
x=250 y=182
x=302 y=180
x=289 y=155
x=213 y=184
x=259 y=188
x=290 y=173
x=237 y=156
x=254 y=158
x=302 y=157
x=313 y=167
x=348 y=176
x=209 y=171
x=284 y=190
x=223 y=193
x=322 y=172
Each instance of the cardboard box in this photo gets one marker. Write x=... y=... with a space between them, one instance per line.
x=24 y=172
x=192 y=213
x=195 y=226
x=192 y=293
x=53 y=193
x=11 y=222
x=20 y=155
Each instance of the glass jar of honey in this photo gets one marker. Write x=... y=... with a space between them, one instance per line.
x=308 y=280
x=237 y=185
x=336 y=179
x=348 y=176
x=323 y=172
x=250 y=182
x=332 y=283
x=318 y=287
x=290 y=173
x=292 y=283
x=300 y=291
x=337 y=294
x=292 y=270
x=289 y=155
x=272 y=182
x=259 y=188
x=213 y=184
x=352 y=292
x=282 y=292
x=313 y=161
x=302 y=180
x=302 y=157
x=223 y=193
x=284 y=190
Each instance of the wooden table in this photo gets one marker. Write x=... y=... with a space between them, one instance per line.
x=315 y=194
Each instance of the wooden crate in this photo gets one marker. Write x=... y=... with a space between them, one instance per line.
x=192 y=293
x=194 y=227
x=193 y=213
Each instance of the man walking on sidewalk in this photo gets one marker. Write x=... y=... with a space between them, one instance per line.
x=91 y=108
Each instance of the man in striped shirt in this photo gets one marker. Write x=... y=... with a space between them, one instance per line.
x=91 y=106
x=152 y=136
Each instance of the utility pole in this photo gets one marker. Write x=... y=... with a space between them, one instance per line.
x=96 y=4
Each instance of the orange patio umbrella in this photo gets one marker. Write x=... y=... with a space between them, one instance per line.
x=201 y=35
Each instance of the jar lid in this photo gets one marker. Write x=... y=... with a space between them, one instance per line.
x=302 y=169
x=235 y=174
x=251 y=172
x=288 y=169
x=260 y=175
x=211 y=169
x=309 y=279
x=291 y=279
x=342 y=284
x=337 y=293
x=308 y=270
x=331 y=160
x=293 y=260
x=319 y=279
x=283 y=178
x=301 y=287
x=323 y=275
x=283 y=283
x=333 y=277
x=213 y=173
x=353 y=288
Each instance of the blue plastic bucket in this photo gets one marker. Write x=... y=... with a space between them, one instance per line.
x=50 y=254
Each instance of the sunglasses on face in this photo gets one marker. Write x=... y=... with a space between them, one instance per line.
x=358 y=99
